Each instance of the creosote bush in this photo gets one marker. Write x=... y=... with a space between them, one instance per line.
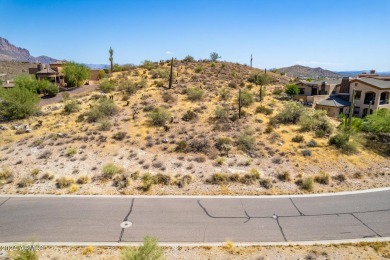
x=25 y=182
x=195 y=93
x=246 y=142
x=285 y=176
x=110 y=169
x=247 y=98
x=307 y=184
x=83 y=179
x=189 y=115
x=64 y=182
x=101 y=110
x=322 y=178
x=159 y=116
x=148 y=251
x=266 y=183
x=119 y=136
x=264 y=110
x=147 y=181
x=290 y=113
x=341 y=141
x=298 y=139
x=315 y=120
x=71 y=106
x=106 y=85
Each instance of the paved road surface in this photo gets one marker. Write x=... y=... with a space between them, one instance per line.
x=58 y=98
x=195 y=220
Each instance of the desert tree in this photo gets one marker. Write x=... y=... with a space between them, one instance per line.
x=292 y=90
x=75 y=74
x=214 y=56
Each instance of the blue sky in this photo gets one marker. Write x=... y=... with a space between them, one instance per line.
x=336 y=35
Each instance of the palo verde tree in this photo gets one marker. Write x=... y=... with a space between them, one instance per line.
x=111 y=59
x=260 y=80
x=75 y=74
x=214 y=56
x=292 y=90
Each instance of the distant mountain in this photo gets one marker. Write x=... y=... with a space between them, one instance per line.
x=9 y=52
x=354 y=73
x=307 y=72
x=96 y=66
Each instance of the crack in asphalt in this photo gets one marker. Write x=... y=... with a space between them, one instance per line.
x=361 y=221
x=4 y=202
x=296 y=207
x=125 y=219
x=281 y=228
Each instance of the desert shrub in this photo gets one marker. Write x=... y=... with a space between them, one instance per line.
x=340 y=177
x=181 y=146
x=199 y=145
x=26 y=252
x=264 y=110
x=221 y=114
x=104 y=108
x=25 y=182
x=224 y=94
x=71 y=151
x=290 y=113
x=71 y=106
x=44 y=155
x=83 y=179
x=121 y=181
x=266 y=183
x=119 y=136
x=168 y=97
x=285 y=176
x=75 y=74
x=128 y=86
x=160 y=178
x=251 y=177
x=189 y=115
x=292 y=90
x=198 y=69
x=147 y=181
x=247 y=98
x=47 y=176
x=73 y=188
x=17 y=103
x=312 y=143
x=277 y=91
x=223 y=144
x=306 y=152
x=106 y=86
x=5 y=176
x=322 y=178
x=220 y=160
x=65 y=96
x=195 y=93
x=159 y=116
x=101 y=74
x=104 y=124
x=246 y=142
x=320 y=133
x=183 y=181
x=314 y=120
x=298 y=139
x=35 y=172
x=148 y=251
x=47 y=88
x=189 y=58
x=218 y=178
x=64 y=182
x=378 y=122
x=160 y=73
x=110 y=169
x=307 y=183
x=342 y=142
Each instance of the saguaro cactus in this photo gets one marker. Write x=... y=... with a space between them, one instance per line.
x=239 y=104
x=351 y=108
x=171 y=75
x=111 y=52
x=251 y=60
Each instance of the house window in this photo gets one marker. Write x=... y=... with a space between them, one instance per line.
x=356 y=110
x=358 y=94
x=301 y=91
x=369 y=98
x=384 y=98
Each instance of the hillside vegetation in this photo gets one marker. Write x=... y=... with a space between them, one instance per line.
x=137 y=135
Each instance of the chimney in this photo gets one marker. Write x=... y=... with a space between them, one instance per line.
x=372 y=71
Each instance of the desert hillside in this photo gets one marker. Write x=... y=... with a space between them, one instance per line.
x=185 y=140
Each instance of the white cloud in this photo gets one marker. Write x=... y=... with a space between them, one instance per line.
x=168 y=52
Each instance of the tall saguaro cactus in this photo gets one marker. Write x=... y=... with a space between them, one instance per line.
x=351 y=108
x=251 y=60
x=171 y=75
x=239 y=104
x=111 y=59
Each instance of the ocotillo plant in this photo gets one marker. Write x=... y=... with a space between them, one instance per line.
x=171 y=75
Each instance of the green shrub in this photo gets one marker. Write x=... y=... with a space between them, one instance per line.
x=378 y=122
x=147 y=181
x=71 y=151
x=17 y=103
x=189 y=58
x=64 y=182
x=320 y=133
x=247 y=98
x=104 y=124
x=322 y=178
x=340 y=177
x=292 y=90
x=298 y=139
x=220 y=160
x=110 y=169
x=314 y=120
x=290 y=113
x=277 y=91
x=128 y=86
x=160 y=178
x=224 y=94
x=183 y=181
x=195 y=93
x=75 y=74
x=121 y=181
x=264 y=110
x=246 y=142
x=5 y=174
x=104 y=108
x=198 y=69
x=181 y=146
x=47 y=176
x=218 y=178
x=223 y=144
x=148 y=251
x=308 y=184
x=159 y=116
x=306 y=152
x=71 y=106
x=221 y=114
x=312 y=143
x=106 y=86
x=26 y=252
x=341 y=141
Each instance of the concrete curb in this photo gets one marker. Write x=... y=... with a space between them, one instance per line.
x=196 y=196
x=200 y=244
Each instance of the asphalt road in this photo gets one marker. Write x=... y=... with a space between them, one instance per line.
x=194 y=219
